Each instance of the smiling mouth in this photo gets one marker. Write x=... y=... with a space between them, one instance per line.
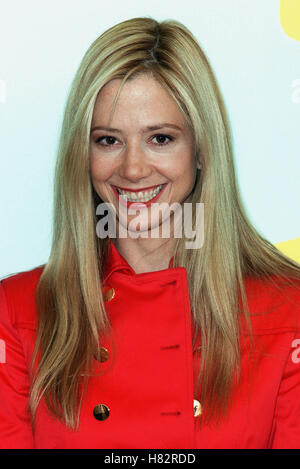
x=140 y=195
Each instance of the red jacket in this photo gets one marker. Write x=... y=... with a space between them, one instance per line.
x=147 y=383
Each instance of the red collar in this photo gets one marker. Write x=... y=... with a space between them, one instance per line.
x=115 y=261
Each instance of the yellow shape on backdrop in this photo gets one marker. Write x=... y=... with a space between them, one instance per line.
x=290 y=248
x=290 y=18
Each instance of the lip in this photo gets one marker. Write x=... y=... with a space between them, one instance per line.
x=137 y=190
x=127 y=204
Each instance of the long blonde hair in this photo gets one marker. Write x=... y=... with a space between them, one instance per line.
x=70 y=306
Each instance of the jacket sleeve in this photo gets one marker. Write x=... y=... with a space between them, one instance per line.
x=15 y=420
x=286 y=425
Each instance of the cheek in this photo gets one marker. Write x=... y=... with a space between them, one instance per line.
x=101 y=169
x=181 y=169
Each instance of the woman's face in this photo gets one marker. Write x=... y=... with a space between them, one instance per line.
x=145 y=154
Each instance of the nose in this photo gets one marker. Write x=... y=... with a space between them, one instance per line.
x=134 y=165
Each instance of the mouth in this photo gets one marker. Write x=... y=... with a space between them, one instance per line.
x=139 y=196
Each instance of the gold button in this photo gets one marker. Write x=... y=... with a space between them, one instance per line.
x=197 y=408
x=102 y=355
x=108 y=294
x=101 y=412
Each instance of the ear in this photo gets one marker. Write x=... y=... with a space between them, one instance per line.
x=198 y=159
x=199 y=165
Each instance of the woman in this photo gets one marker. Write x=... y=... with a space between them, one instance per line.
x=137 y=341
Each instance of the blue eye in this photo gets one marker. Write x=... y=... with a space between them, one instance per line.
x=161 y=139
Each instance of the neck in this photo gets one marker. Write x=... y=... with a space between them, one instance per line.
x=146 y=255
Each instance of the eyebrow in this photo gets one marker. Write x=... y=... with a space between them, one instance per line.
x=151 y=127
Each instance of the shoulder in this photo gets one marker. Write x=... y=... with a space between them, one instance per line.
x=19 y=292
x=274 y=304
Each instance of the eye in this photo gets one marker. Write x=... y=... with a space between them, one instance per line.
x=161 y=139
x=110 y=141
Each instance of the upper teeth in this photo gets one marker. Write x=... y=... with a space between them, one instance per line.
x=141 y=196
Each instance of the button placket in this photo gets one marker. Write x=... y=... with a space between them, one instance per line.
x=102 y=355
x=101 y=412
x=197 y=408
x=109 y=294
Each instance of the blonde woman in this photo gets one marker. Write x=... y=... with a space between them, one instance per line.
x=141 y=341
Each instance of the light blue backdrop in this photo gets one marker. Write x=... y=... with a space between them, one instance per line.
x=257 y=66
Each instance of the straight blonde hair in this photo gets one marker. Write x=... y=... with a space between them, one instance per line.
x=70 y=306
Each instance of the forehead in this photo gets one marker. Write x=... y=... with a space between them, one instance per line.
x=142 y=99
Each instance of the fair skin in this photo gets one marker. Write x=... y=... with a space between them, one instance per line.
x=126 y=155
